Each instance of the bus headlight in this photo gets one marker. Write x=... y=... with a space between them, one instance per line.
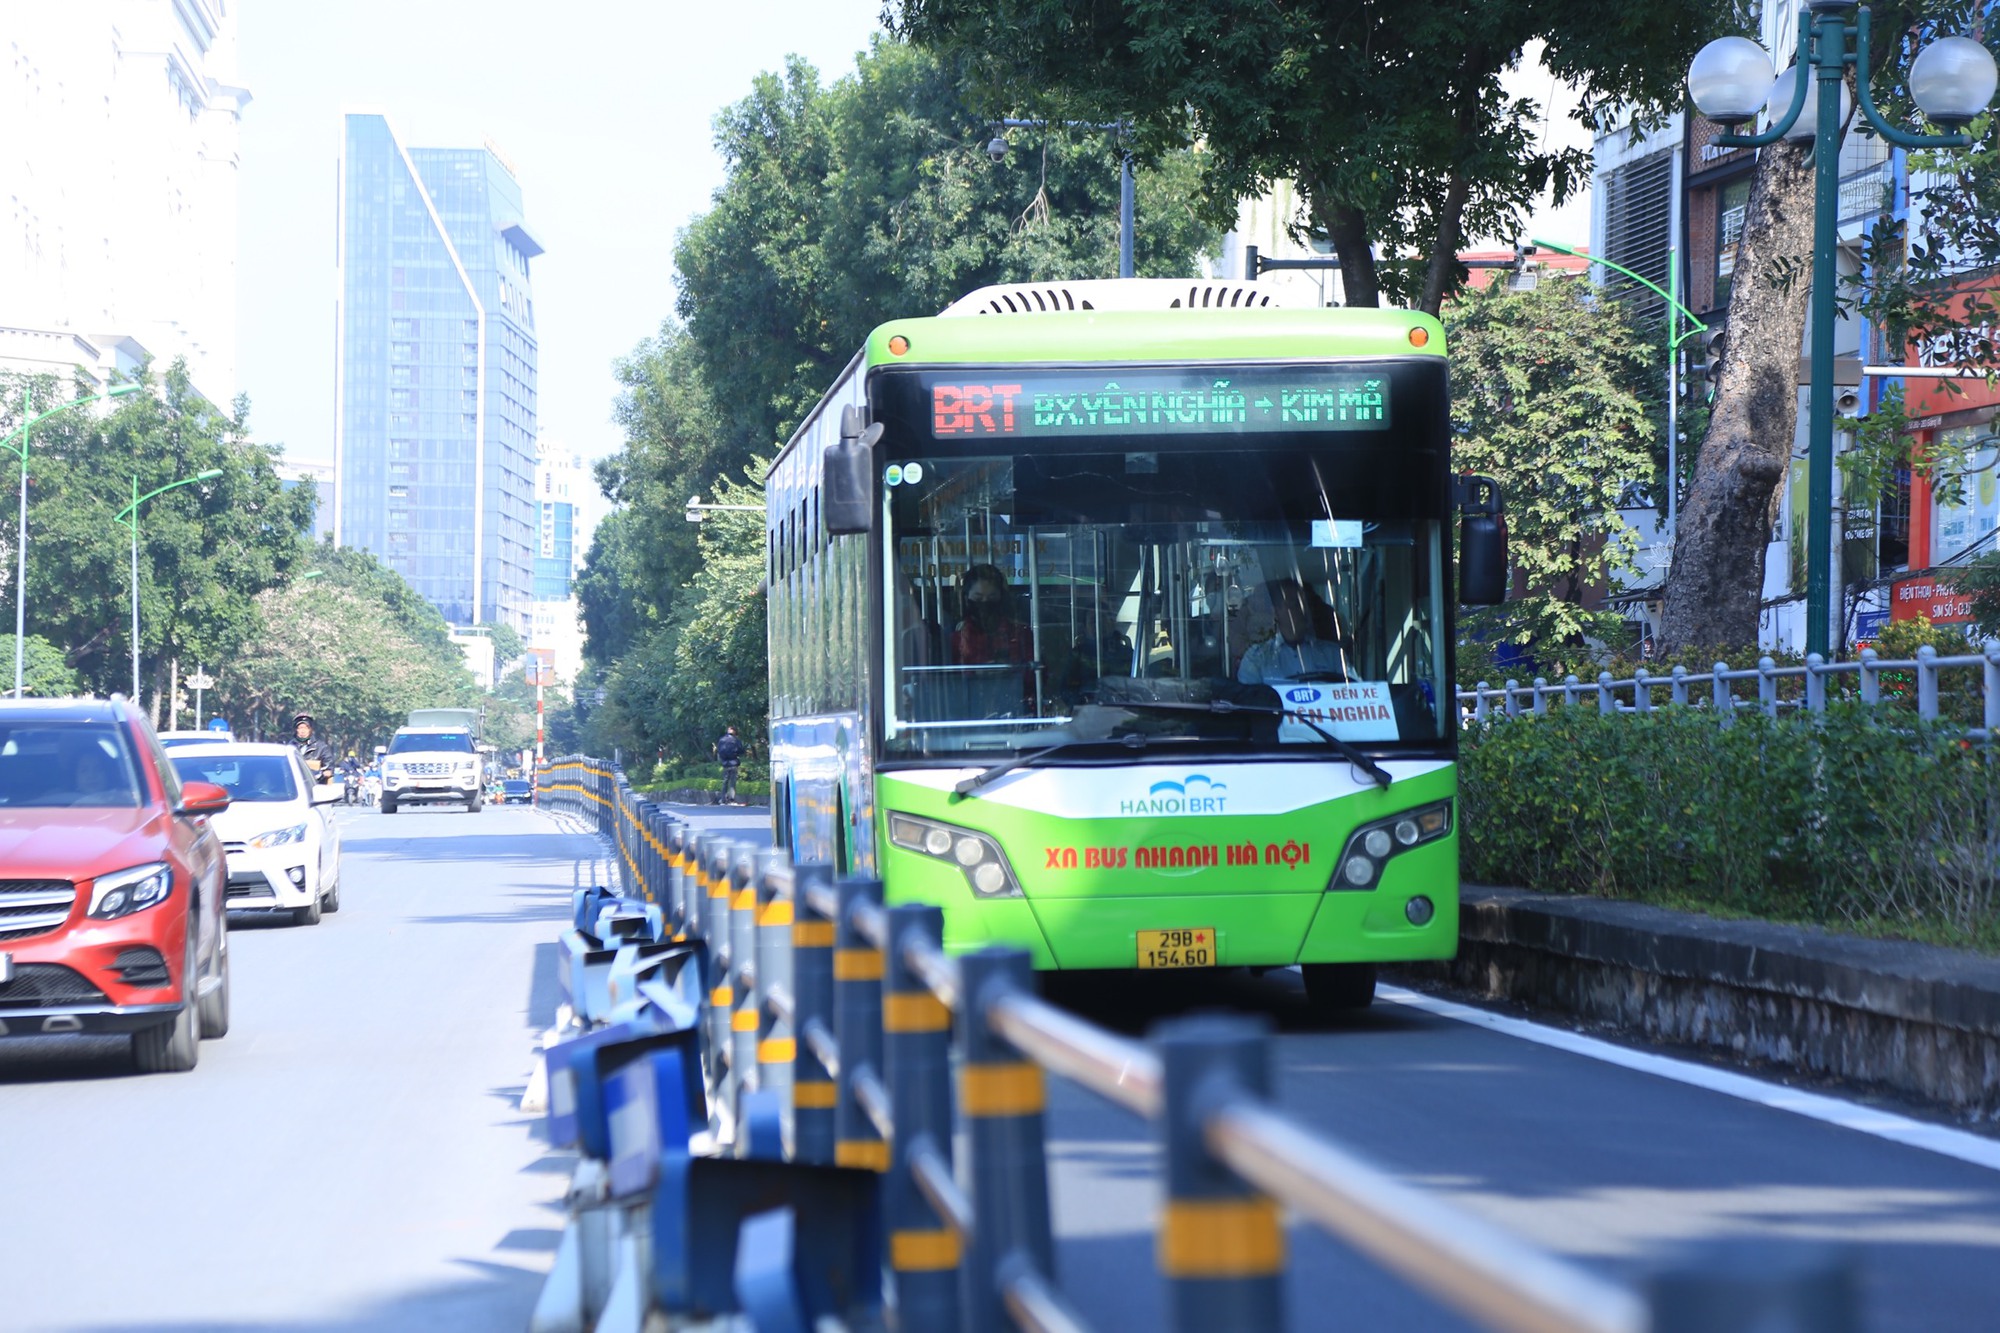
x=977 y=856
x=1373 y=845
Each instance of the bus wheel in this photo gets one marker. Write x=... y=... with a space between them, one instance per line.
x=1334 y=988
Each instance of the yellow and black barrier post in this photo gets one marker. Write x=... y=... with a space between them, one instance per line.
x=1002 y=1097
x=681 y=893
x=744 y=1020
x=813 y=1090
x=711 y=861
x=924 y=1247
x=777 y=1043
x=857 y=1025
x=1221 y=1241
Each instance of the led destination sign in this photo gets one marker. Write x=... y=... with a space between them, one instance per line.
x=1035 y=405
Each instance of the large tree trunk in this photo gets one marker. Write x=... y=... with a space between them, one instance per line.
x=1347 y=227
x=1717 y=579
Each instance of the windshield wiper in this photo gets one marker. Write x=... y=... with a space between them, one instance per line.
x=1131 y=740
x=1379 y=775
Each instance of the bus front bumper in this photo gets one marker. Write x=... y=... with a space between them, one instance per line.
x=1251 y=930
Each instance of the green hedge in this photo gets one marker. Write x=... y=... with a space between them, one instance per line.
x=694 y=774
x=745 y=787
x=1886 y=825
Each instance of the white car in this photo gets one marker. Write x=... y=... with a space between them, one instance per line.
x=278 y=832
x=173 y=740
x=429 y=765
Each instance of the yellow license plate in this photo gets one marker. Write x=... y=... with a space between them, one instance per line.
x=1193 y=947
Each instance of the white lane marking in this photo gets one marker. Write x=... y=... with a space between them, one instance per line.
x=1940 y=1139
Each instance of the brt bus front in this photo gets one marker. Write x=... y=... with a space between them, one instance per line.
x=1207 y=719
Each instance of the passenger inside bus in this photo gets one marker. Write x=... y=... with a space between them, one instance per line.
x=1101 y=650
x=990 y=633
x=1305 y=644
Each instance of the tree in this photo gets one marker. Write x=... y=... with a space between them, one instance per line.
x=844 y=205
x=682 y=682
x=608 y=595
x=1554 y=395
x=356 y=647
x=1714 y=592
x=675 y=446
x=205 y=551
x=872 y=198
x=720 y=652
x=507 y=644
x=1391 y=118
x=44 y=673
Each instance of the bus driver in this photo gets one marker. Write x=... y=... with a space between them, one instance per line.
x=1297 y=651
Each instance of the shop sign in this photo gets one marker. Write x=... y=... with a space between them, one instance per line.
x=1929 y=597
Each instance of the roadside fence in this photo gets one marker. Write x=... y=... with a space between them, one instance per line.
x=1769 y=688
x=791 y=1106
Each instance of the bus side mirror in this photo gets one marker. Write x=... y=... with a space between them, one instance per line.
x=1482 y=542
x=847 y=486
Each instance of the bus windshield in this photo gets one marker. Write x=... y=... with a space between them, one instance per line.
x=1249 y=597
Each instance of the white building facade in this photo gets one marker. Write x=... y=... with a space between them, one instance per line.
x=118 y=176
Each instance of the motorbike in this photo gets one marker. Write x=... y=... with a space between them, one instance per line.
x=351 y=789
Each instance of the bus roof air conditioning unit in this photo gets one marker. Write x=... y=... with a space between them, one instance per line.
x=1093 y=294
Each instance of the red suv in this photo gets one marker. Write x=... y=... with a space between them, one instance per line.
x=111 y=884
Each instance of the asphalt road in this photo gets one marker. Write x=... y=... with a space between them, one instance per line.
x=1618 y=1168
x=351 y=1155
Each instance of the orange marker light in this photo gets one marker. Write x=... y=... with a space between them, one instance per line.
x=898 y=344
x=1418 y=337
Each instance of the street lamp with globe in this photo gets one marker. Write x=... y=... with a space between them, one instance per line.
x=1730 y=81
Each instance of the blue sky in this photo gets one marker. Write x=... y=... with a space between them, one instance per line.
x=603 y=106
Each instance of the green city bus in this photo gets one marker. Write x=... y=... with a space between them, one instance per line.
x=1116 y=620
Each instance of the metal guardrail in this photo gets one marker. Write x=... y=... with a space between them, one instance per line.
x=1861 y=679
x=830 y=1028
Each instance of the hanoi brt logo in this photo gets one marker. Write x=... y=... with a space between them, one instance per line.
x=1195 y=794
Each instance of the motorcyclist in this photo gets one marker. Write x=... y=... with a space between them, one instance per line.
x=350 y=777
x=729 y=749
x=314 y=753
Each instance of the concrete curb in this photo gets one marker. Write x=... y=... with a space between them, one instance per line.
x=1921 y=1020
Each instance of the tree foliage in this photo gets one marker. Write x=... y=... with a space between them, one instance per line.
x=44 y=673
x=1390 y=117
x=874 y=197
x=1554 y=395
x=357 y=647
x=845 y=204
x=206 y=551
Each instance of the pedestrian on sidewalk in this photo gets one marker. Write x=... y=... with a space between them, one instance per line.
x=729 y=749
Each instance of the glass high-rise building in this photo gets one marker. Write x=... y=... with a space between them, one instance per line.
x=436 y=365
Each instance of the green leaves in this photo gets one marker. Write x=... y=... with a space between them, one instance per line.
x=1855 y=817
x=205 y=551
x=1391 y=118
x=1555 y=394
x=846 y=204
x=356 y=647
x=44 y=674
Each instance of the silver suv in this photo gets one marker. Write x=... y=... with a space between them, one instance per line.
x=427 y=765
